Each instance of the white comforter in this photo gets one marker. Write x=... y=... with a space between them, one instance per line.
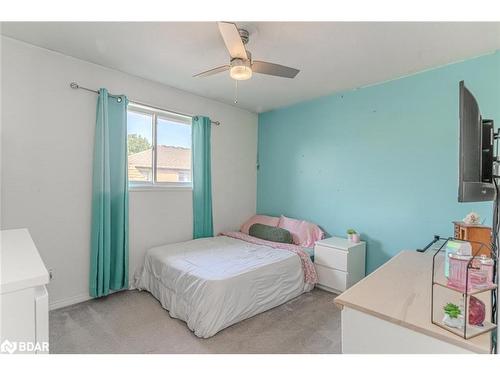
x=212 y=283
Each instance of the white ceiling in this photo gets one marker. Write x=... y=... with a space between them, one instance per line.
x=332 y=56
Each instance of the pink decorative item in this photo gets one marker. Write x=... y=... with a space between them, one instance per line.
x=355 y=238
x=477 y=311
x=260 y=219
x=303 y=233
x=458 y=271
x=478 y=278
x=485 y=264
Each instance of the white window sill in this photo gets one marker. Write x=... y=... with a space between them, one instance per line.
x=159 y=187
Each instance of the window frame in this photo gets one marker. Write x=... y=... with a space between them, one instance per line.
x=155 y=114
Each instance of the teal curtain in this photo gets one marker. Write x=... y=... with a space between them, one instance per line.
x=109 y=231
x=202 y=179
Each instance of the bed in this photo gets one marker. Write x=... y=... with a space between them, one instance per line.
x=215 y=282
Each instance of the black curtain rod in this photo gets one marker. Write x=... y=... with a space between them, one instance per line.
x=75 y=86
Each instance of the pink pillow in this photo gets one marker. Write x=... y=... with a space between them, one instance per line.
x=303 y=233
x=261 y=219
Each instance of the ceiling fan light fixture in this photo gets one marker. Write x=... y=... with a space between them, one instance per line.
x=242 y=66
x=241 y=73
x=240 y=70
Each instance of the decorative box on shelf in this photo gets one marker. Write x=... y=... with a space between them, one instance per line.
x=339 y=263
x=462 y=287
x=476 y=233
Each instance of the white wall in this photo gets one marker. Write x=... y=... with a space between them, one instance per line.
x=46 y=154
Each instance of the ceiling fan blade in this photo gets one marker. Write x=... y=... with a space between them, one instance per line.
x=213 y=71
x=274 y=69
x=232 y=40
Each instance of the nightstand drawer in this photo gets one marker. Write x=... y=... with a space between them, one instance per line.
x=330 y=257
x=331 y=278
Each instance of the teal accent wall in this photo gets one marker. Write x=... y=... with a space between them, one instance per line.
x=381 y=159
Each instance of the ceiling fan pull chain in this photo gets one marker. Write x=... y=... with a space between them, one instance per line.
x=235 y=92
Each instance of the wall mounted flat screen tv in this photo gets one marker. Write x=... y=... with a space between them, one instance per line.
x=476 y=151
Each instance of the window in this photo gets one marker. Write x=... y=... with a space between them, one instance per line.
x=159 y=148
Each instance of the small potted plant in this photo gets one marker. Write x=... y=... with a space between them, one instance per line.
x=352 y=235
x=453 y=316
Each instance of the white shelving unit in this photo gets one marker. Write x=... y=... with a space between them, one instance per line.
x=339 y=263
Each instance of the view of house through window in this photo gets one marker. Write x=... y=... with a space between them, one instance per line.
x=159 y=147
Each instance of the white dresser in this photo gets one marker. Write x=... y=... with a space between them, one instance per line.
x=389 y=312
x=24 y=304
x=339 y=263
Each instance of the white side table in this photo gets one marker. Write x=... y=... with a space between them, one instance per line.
x=339 y=263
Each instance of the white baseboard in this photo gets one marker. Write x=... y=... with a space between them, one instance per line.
x=76 y=299
x=328 y=289
x=69 y=301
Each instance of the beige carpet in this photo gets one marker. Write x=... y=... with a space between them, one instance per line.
x=135 y=322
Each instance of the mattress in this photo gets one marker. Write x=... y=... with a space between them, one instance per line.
x=215 y=282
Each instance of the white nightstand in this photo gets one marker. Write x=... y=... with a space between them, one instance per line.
x=339 y=263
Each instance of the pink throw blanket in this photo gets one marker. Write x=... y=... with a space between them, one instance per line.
x=310 y=276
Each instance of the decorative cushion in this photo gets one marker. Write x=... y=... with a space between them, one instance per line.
x=303 y=233
x=261 y=219
x=266 y=232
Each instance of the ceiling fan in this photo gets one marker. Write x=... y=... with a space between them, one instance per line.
x=241 y=65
